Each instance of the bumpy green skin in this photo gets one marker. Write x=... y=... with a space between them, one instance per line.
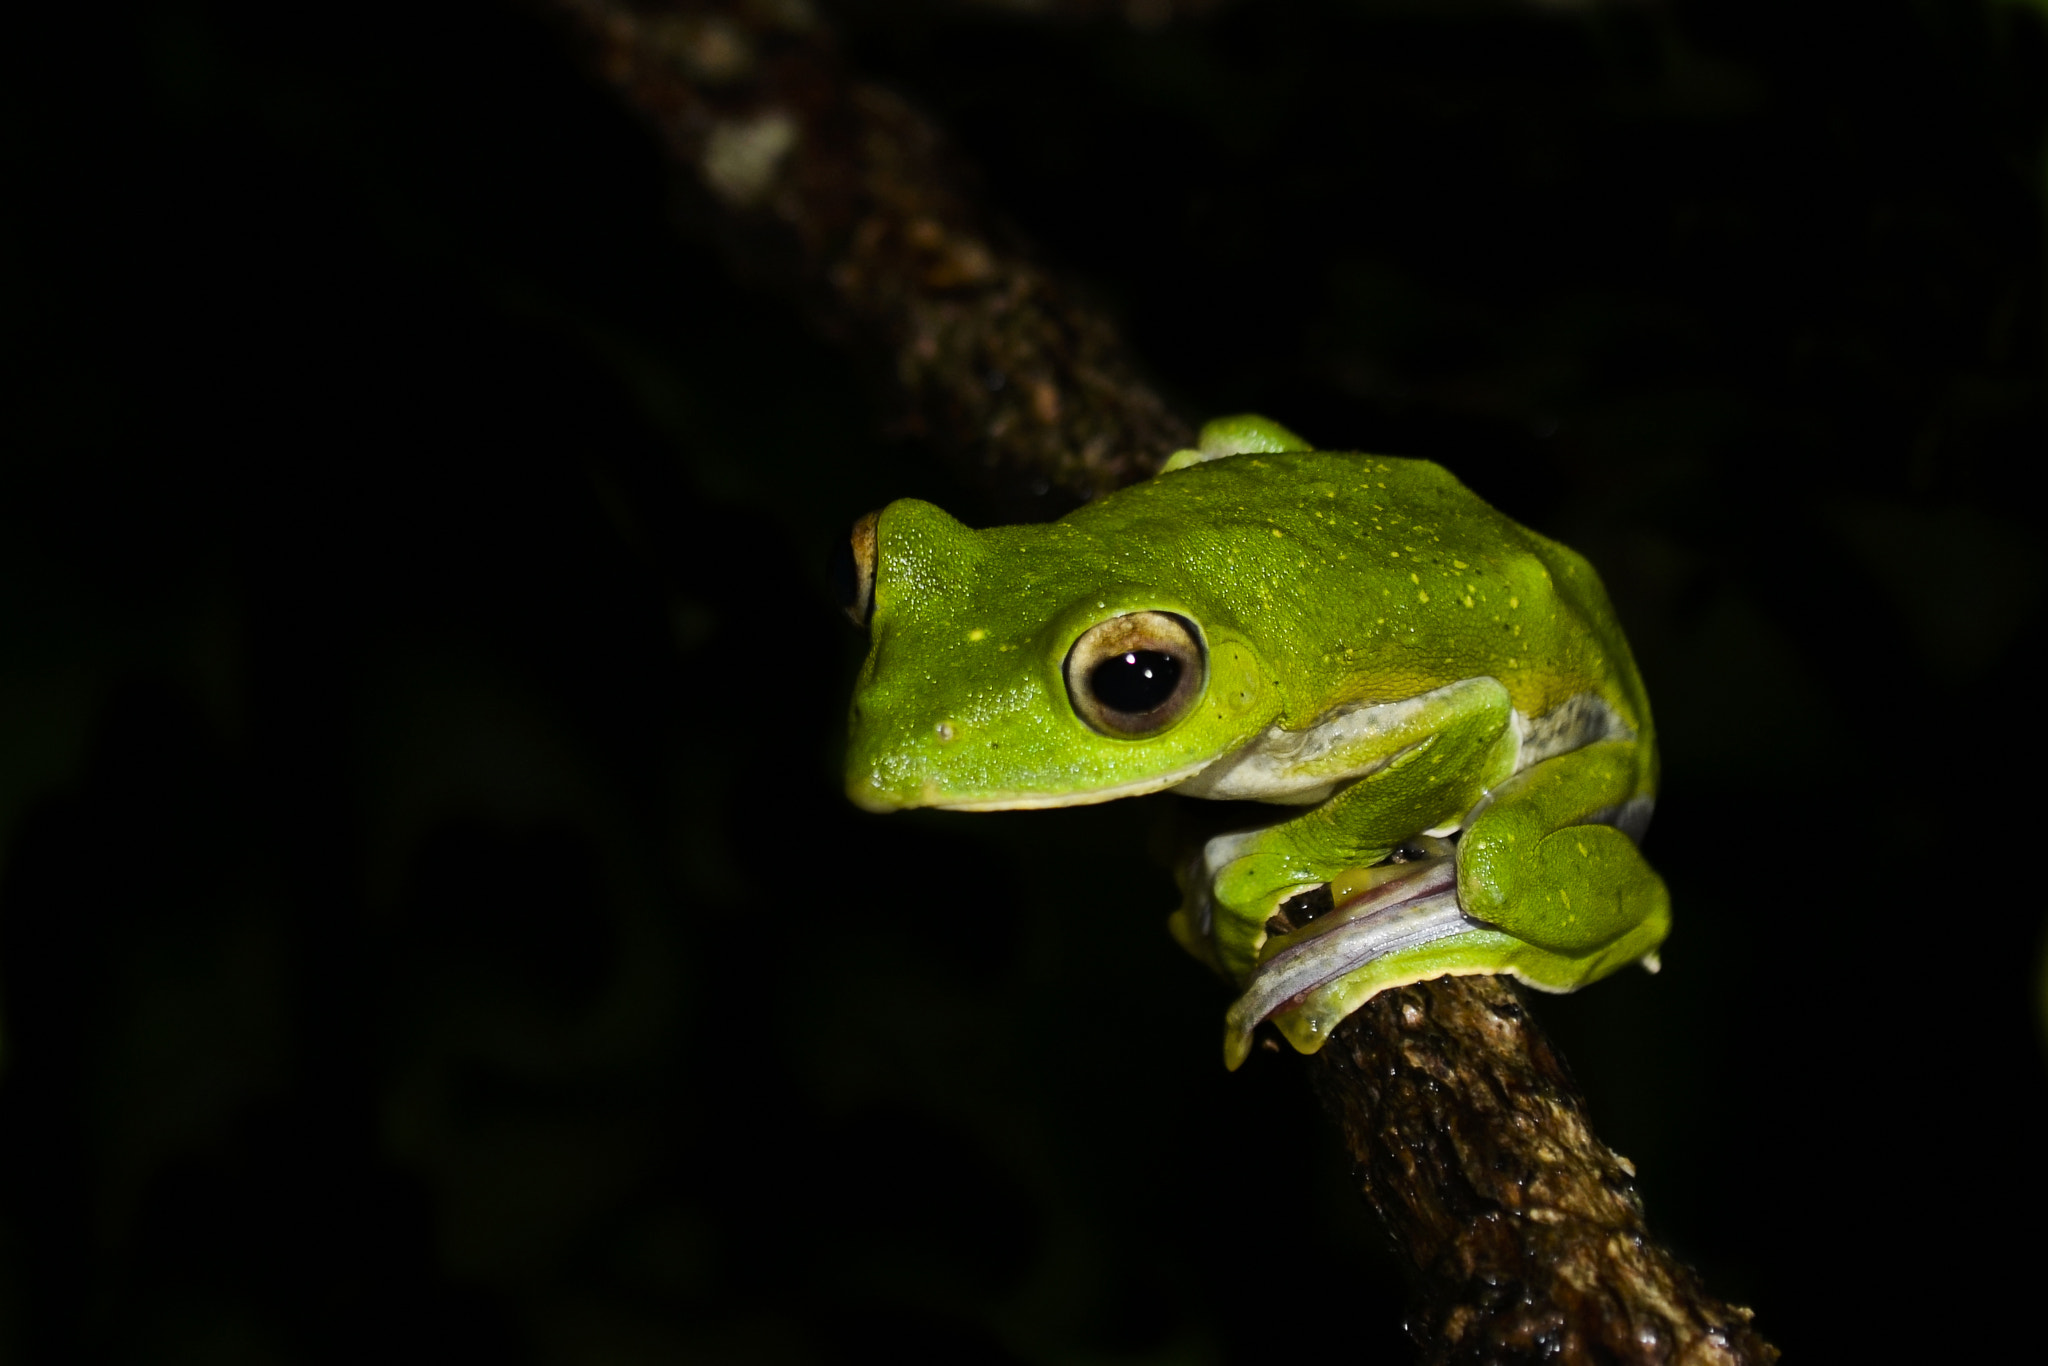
x=1321 y=583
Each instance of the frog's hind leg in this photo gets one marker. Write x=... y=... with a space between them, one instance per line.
x=1551 y=860
x=1546 y=884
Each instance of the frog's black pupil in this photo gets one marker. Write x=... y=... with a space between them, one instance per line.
x=845 y=575
x=1136 y=681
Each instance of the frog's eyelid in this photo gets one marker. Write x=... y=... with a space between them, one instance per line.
x=853 y=570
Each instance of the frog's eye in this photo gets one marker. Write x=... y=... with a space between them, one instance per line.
x=1136 y=674
x=853 y=570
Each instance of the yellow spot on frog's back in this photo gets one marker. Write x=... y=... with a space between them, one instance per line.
x=1514 y=602
x=977 y=634
x=1414 y=578
x=1459 y=564
x=1422 y=595
x=1468 y=601
x=1276 y=531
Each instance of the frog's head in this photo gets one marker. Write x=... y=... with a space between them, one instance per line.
x=1031 y=666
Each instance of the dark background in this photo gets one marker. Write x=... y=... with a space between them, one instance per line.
x=429 y=922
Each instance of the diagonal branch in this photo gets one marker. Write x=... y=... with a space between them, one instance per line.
x=835 y=189
x=1524 y=1231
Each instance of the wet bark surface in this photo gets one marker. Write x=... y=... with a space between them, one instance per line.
x=1524 y=1231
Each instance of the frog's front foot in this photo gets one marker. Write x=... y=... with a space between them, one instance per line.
x=1387 y=910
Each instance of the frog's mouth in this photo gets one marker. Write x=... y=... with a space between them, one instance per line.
x=1035 y=801
x=1410 y=911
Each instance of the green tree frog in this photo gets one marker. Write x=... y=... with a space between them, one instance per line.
x=1434 y=704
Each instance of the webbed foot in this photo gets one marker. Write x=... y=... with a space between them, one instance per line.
x=1374 y=912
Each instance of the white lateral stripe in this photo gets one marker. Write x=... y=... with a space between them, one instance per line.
x=1303 y=766
x=1574 y=723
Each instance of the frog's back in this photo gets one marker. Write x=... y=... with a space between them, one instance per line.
x=1376 y=578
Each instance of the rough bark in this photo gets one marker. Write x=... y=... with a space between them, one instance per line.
x=835 y=189
x=1524 y=1231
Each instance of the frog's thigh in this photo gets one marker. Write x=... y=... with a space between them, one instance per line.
x=1531 y=864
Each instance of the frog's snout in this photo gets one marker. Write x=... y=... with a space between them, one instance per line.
x=880 y=772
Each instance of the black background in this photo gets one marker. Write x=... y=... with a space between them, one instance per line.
x=430 y=924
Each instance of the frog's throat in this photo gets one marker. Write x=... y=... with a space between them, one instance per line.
x=1038 y=801
x=1401 y=915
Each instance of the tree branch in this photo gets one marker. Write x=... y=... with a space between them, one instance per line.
x=1524 y=1231
x=839 y=191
